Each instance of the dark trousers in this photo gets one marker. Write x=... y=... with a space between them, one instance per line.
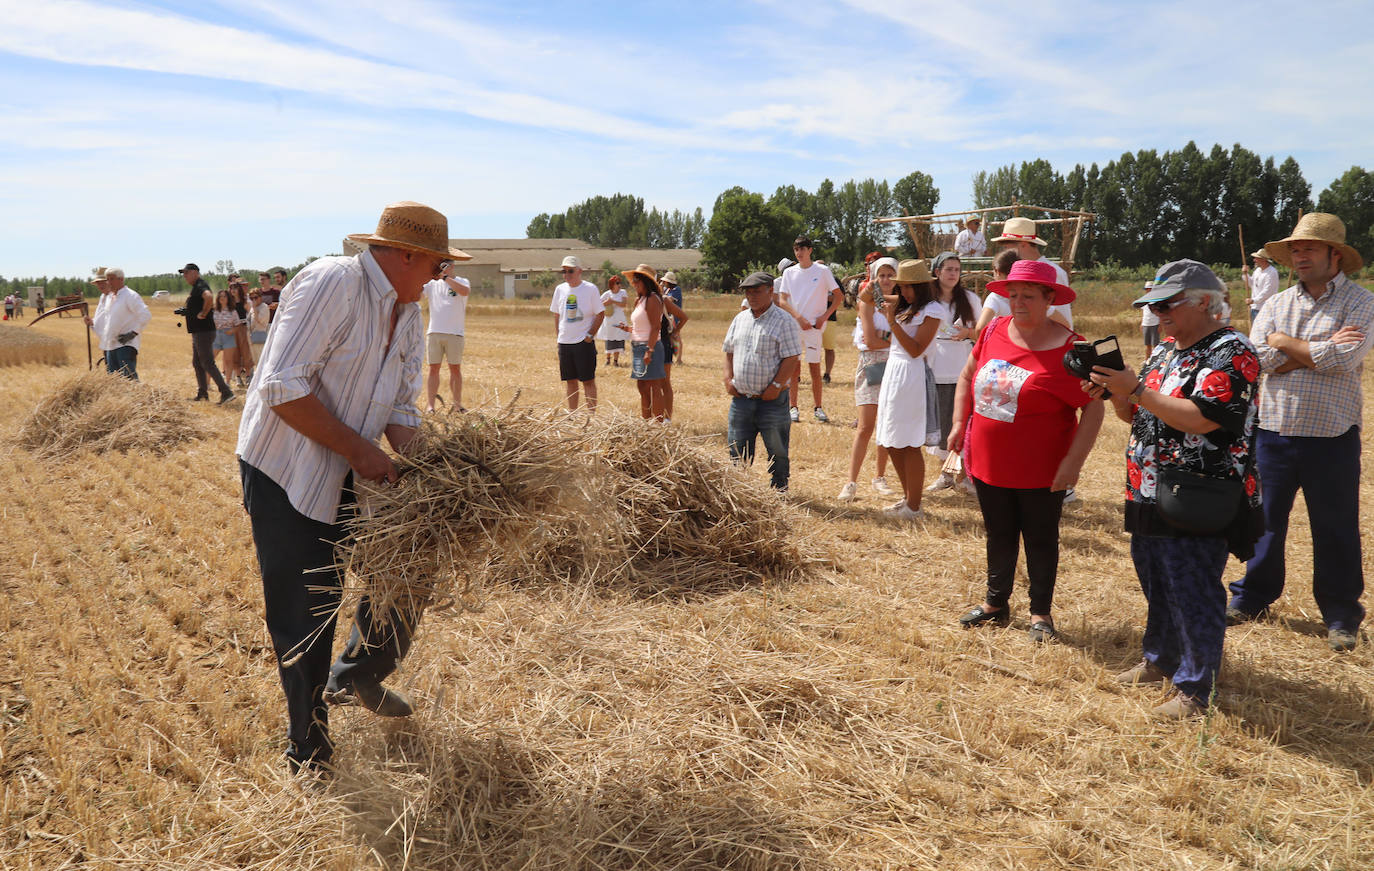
x=203 y=361
x=302 y=593
x=944 y=398
x=1012 y=516
x=1185 y=622
x=769 y=419
x=1328 y=472
x=123 y=361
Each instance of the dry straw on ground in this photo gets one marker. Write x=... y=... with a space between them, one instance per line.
x=103 y=412
x=521 y=496
x=19 y=345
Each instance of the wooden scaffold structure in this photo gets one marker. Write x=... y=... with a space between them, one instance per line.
x=932 y=234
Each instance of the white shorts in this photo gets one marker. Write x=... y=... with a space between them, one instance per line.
x=812 y=340
x=441 y=344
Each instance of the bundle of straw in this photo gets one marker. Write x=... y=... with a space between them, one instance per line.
x=524 y=497
x=103 y=412
x=19 y=346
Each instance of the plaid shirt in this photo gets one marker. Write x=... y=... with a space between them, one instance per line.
x=759 y=346
x=1324 y=401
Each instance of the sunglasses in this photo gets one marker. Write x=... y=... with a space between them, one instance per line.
x=568 y=270
x=1163 y=306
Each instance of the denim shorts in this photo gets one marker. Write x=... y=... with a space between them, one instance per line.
x=652 y=369
x=224 y=341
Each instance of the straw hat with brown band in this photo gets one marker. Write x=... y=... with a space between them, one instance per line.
x=913 y=272
x=1317 y=227
x=411 y=226
x=643 y=270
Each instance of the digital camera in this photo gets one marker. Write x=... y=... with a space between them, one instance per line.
x=1083 y=356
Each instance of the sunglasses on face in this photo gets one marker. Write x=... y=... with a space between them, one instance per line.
x=1163 y=306
x=568 y=270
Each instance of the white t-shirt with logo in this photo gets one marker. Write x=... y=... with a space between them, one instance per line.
x=448 y=309
x=577 y=308
x=808 y=288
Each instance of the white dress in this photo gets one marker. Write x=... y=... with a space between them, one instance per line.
x=614 y=316
x=902 y=400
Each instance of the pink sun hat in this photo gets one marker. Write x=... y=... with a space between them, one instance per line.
x=1035 y=272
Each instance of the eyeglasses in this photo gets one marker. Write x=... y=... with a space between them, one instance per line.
x=1163 y=306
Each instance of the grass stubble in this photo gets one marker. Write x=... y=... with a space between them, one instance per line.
x=826 y=718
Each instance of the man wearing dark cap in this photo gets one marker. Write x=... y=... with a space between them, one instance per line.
x=763 y=349
x=341 y=369
x=199 y=323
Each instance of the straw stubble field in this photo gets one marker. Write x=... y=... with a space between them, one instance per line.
x=841 y=721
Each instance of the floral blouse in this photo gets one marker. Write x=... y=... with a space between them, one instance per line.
x=1220 y=374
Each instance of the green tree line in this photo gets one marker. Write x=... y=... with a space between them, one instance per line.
x=620 y=221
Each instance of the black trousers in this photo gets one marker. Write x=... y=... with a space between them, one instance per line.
x=302 y=592
x=203 y=362
x=1011 y=517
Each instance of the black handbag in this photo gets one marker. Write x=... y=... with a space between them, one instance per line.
x=1198 y=504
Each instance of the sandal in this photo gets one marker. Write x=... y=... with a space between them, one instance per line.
x=1042 y=631
x=977 y=617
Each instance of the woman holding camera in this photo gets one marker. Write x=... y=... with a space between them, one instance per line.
x=1027 y=439
x=1192 y=494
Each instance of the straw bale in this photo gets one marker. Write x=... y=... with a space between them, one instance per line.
x=525 y=497
x=103 y=412
x=19 y=346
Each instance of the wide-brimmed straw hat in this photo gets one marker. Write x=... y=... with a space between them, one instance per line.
x=1318 y=227
x=1020 y=230
x=643 y=271
x=99 y=275
x=913 y=272
x=1035 y=272
x=412 y=227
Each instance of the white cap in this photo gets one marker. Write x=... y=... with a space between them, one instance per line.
x=784 y=263
x=572 y=262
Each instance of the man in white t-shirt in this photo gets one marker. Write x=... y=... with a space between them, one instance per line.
x=447 y=297
x=971 y=242
x=1262 y=284
x=808 y=291
x=577 y=315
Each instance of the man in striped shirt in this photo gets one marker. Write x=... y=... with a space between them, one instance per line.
x=341 y=368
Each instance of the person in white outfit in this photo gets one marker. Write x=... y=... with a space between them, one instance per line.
x=447 y=297
x=873 y=339
x=616 y=326
x=1261 y=284
x=120 y=318
x=953 y=343
x=914 y=314
x=971 y=242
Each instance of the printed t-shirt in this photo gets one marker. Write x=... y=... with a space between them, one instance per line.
x=808 y=288
x=577 y=308
x=448 y=309
x=1024 y=405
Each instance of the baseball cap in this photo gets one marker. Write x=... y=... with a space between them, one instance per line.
x=1178 y=276
x=189 y=267
x=572 y=262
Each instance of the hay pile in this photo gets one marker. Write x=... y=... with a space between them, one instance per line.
x=523 y=497
x=19 y=345
x=102 y=412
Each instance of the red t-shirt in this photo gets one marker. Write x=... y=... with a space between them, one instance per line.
x=1024 y=410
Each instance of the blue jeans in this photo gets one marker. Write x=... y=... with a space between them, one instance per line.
x=1185 y=622
x=1328 y=472
x=123 y=361
x=766 y=418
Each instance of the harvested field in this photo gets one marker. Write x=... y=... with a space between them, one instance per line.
x=20 y=345
x=829 y=719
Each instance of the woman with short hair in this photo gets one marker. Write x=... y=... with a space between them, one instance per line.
x=1192 y=413
x=1031 y=426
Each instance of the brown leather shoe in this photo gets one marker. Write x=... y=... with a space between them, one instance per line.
x=1180 y=707
x=1145 y=672
x=376 y=698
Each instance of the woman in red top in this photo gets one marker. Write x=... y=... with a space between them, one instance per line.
x=1027 y=440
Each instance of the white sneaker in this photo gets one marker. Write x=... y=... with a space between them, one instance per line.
x=847 y=492
x=906 y=513
x=1070 y=496
x=796 y=415
x=880 y=485
x=895 y=507
x=944 y=482
x=820 y=415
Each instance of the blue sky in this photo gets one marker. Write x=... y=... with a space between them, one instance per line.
x=146 y=134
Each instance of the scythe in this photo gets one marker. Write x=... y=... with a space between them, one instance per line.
x=85 y=309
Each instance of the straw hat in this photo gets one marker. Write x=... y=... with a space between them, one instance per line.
x=99 y=275
x=643 y=271
x=1020 y=230
x=971 y=218
x=913 y=272
x=412 y=227
x=1262 y=254
x=670 y=277
x=1035 y=272
x=1318 y=227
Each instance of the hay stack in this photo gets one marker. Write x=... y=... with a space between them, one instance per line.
x=19 y=345
x=101 y=412
x=524 y=497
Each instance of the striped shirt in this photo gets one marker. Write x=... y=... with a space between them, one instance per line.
x=329 y=338
x=759 y=345
x=1325 y=401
